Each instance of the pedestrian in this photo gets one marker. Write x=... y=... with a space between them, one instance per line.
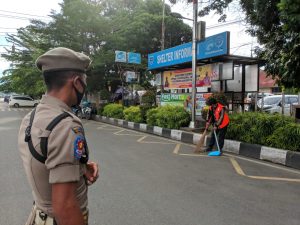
x=187 y=104
x=136 y=98
x=218 y=117
x=53 y=146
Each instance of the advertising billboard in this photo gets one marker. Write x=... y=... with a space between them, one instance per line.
x=178 y=79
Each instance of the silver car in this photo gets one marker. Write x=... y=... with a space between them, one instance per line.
x=273 y=104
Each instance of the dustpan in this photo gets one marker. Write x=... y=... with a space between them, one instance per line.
x=218 y=152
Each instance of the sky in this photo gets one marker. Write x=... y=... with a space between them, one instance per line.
x=15 y=13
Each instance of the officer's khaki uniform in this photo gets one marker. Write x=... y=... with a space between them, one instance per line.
x=67 y=150
x=61 y=165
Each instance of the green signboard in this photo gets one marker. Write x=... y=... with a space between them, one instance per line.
x=182 y=100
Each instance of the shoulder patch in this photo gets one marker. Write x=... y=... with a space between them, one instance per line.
x=79 y=148
x=77 y=130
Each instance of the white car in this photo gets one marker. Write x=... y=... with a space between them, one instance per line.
x=17 y=101
x=273 y=104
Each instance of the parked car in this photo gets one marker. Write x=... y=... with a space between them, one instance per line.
x=273 y=104
x=20 y=100
x=251 y=96
x=250 y=100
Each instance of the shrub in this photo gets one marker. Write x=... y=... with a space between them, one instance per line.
x=149 y=98
x=172 y=117
x=144 y=109
x=151 y=116
x=265 y=129
x=286 y=137
x=101 y=109
x=133 y=114
x=113 y=111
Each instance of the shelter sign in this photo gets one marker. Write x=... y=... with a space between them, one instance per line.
x=212 y=46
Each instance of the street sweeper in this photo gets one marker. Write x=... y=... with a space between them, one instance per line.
x=219 y=119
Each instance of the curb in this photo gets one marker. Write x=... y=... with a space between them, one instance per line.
x=278 y=156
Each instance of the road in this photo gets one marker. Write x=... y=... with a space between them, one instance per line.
x=148 y=180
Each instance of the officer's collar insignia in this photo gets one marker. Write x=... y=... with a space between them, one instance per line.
x=79 y=146
x=77 y=130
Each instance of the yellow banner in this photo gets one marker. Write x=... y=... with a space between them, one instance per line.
x=177 y=79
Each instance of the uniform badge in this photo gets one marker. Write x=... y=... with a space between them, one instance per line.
x=77 y=130
x=79 y=146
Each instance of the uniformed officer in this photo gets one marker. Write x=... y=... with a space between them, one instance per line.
x=52 y=143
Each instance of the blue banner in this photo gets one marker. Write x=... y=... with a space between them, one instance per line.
x=171 y=56
x=212 y=46
x=134 y=58
x=120 y=56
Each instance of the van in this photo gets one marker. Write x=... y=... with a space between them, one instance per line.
x=273 y=104
x=21 y=100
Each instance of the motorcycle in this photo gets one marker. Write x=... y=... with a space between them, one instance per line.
x=87 y=112
x=84 y=111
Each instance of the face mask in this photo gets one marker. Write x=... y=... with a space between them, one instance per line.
x=80 y=95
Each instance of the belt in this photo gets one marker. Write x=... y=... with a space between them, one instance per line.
x=42 y=218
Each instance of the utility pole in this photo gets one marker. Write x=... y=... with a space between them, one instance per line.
x=194 y=62
x=163 y=27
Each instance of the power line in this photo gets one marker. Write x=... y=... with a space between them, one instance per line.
x=8 y=28
x=17 y=17
x=23 y=13
x=249 y=43
x=224 y=24
x=3 y=32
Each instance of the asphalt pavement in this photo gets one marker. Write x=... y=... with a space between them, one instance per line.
x=149 y=180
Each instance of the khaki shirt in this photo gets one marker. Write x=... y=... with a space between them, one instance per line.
x=62 y=164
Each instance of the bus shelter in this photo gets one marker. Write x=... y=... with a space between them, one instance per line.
x=217 y=71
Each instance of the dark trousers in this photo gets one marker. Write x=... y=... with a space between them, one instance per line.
x=221 y=137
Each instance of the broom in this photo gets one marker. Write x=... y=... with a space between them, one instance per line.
x=200 y=143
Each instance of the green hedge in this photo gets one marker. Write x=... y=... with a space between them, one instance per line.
x=133 y=114
x=113 y=111
x=151 y=116
x=265 y=129
x=144 y=109
x=172 y=117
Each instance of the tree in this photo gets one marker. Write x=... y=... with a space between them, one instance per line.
x=276 y=24
x=23 y=76
x=97 y=28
